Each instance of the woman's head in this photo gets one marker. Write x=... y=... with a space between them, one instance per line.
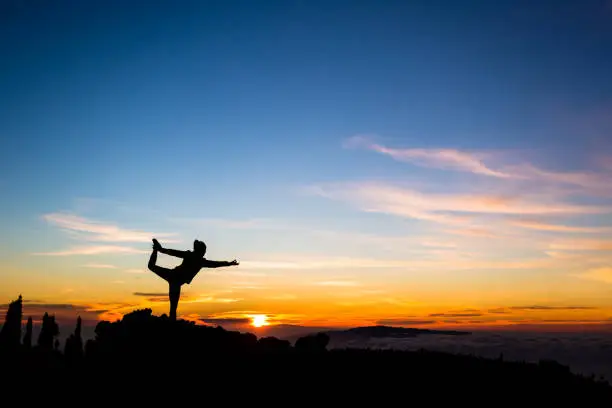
x=199 y=247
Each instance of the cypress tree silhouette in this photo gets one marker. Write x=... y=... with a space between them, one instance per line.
x=10 y=335
x=27 y=338
x=74 y=344
x=48 y=331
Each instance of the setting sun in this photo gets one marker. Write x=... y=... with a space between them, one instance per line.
x=259 y=320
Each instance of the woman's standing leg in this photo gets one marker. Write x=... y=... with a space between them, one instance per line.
x=175 y=294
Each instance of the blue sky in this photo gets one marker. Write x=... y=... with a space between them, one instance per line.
x=270 y=122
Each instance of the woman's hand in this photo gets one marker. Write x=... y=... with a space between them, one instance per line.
x=156 y=245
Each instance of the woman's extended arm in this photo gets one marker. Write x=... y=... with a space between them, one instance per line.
x=173 y=252
x=216 y=264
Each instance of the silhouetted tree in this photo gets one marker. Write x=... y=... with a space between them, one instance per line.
x=74 y=344
x=48 y=332
x=27 y=338
x=10 y=335
x=312 y=343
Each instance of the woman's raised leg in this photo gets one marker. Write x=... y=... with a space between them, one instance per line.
x=164 y=273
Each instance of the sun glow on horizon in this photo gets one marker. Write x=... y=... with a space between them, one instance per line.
x=259 y=320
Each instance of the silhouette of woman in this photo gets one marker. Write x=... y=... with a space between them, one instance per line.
x=185 y=272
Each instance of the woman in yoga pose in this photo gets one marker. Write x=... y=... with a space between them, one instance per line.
x=193 y=261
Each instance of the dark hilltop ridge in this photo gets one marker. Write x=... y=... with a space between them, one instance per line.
x=150 y=357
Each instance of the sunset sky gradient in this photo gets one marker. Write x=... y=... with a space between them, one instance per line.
x=447 y=164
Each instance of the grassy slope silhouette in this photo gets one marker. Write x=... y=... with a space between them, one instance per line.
x=175 y=355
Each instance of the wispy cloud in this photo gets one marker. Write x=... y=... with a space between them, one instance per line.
x=435 y=158
x=438 y=243
x=94 y=250
x=474 y=232
x=253 y=223
x=108 y=235
x=564 y=255
x=603 y=274
x=543 y=307
x=476 y=162
x=443 y=208
x=284 y=296
x=136 y=271
x=605 y=162
x=164 y=299
x=340 y=283
x=213 y=299
x=544 y=226
x=322 y=262
x=499 y=310
x=594 y=181
x=292 y=262
x=455 y=314
x=448 y=263
x=247 y=286
x=301 y=228
x=239 y=273
x=99 y=266
x=581 y=245
x=99 y=231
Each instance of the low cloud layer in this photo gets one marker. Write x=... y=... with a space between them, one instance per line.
x=585 y=353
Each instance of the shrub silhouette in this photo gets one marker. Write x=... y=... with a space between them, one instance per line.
x=272 y=344
x=312 y=343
